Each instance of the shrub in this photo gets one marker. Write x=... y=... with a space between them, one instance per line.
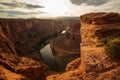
x=101 y=42
x=104 y=40
x=113 y=47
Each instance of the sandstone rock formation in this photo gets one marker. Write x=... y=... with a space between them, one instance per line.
x=20 y=67
x=5 y=43
x=14 y=31
x=95 y=64
x=76 y=64
x=98 y=26
x=67 y=43
x=13 y=67
x=5 y=74
x=20 y=37
x=22 y=34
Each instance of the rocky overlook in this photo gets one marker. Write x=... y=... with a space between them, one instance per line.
x=94 y=64
x=19 y=49
x=98 y=26
x=19 y=38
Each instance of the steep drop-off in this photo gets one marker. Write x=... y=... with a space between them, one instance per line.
x=24 y=32
x=23 y=37
x=67 y=43
x=94 y=63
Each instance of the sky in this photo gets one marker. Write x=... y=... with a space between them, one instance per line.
x=55 y=8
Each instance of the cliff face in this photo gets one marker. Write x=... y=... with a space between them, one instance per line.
x=67 y=43
x=13 y=67
x=94 y=63
x=20 y=32
x=6 y=44
x=21 y=36
x=98 y=26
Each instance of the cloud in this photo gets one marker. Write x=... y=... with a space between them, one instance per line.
x=89 y=2
x=112 y=6
x=12 y=12
x=21 y=5
x=34 y=6
x=2 y=10
x=17 y=13
x=18 y=9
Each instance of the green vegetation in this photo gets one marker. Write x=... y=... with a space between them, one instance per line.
x=113 y=48
x=101 y=42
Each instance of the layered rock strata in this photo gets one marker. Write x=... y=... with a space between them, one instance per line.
x=22 y=34
x=24 y=37
x=67 y=43
x=13 y=67
x=95 y=64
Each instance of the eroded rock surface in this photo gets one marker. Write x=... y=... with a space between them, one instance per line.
x=12 y=66
x=67 y=43
x=6 y=74
x=17 y=66
x=95 y=64
x=73 y=64
x=23 y=35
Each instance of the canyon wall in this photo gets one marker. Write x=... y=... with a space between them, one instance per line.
x=23 y=35
x=94 y=64
x=67 y=43
x=98 y=26
x=14 y=31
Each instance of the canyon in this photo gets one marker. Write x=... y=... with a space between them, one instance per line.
x=67 y=43
x=94 y=63
x=63 y=48
x=25 y=31
x=20 y=41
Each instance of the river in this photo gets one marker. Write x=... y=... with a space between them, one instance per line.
x=55 y=62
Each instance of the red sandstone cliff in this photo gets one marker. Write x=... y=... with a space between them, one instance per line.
x=13 y=67
x=25 y=31
x=23 y=35
x=20 y=36
x=94 y=63
x=67 y=44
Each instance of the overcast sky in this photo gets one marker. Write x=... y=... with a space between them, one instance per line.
x=55 y=8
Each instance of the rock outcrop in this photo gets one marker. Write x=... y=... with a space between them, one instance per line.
x=20 y=68
x=23 y=35
x=95 y=64
x=6 y=44
x=13 y=67
x=20 y=37
x=76 y=64
x=67 y=43
x=98 y=26
x=20 y=41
